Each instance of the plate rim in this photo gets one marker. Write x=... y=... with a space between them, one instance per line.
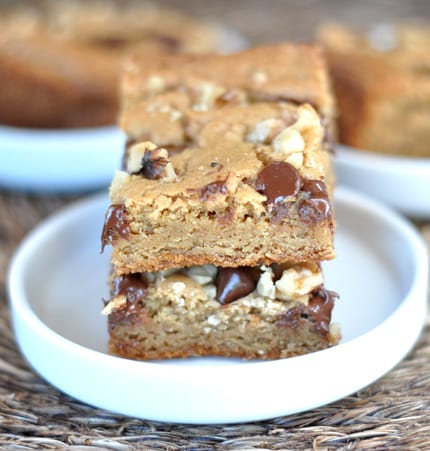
x=21 y=308
x=348 y=154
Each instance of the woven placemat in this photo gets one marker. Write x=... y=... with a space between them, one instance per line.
x=393 y=413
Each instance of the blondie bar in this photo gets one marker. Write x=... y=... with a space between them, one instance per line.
x=253 y=188
x=382 y=87
x=222 y=213
x=160 y=94
x=260 y=312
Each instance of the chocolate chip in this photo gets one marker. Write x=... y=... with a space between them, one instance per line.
x=153 y=166
x=315 y=206
x=278 y=181
x=314 y=186
x=234 y=283
x=132 y=286
x=116 y=225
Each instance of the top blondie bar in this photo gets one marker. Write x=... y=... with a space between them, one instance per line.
x=159 y=95
x=226 y=162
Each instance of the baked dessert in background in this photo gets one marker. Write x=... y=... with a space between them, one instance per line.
x=46 y=83
x=218 y=236
x=60 y=60
x=382 y=84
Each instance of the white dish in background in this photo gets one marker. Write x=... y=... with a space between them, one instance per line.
x=58 y=278
x=59 y=161
x=400 y=182
x=70 y=161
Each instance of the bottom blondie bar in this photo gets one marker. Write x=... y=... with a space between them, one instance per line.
x=263 y=312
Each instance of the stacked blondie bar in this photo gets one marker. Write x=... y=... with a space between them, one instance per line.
x=222 y=214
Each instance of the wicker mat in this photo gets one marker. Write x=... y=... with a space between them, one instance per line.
x=393 y=413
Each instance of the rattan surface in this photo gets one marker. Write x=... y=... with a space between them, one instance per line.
x=392 y=413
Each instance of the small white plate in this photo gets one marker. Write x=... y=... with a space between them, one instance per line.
x=58 y=278
x=59 y=161
x=400 y=182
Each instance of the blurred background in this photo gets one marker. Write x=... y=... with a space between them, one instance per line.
x=277 y=20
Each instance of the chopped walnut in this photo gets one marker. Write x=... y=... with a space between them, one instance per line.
x=265 y=131
x=114 y=304
x=297 y=282
x=150 y=161
x=206 y=95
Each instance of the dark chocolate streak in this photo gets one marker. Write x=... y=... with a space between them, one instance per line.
x=134 y=288
x=318 y=311
x=210 y=189
x=116 y=225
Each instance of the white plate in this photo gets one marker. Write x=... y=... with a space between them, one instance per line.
x=400 y=182
x=69 y=161
x=58 y=278
x=59 y=161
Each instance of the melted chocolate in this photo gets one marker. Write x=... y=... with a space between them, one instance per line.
x=235 y=283
x=315 y=206
x=278 y=181
x=320 y=307
x=153 y=167
x=318 y=311
x=213 y=188
x=279 y=212
x=132 y=286
x=116 y=225
x=278 y=269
